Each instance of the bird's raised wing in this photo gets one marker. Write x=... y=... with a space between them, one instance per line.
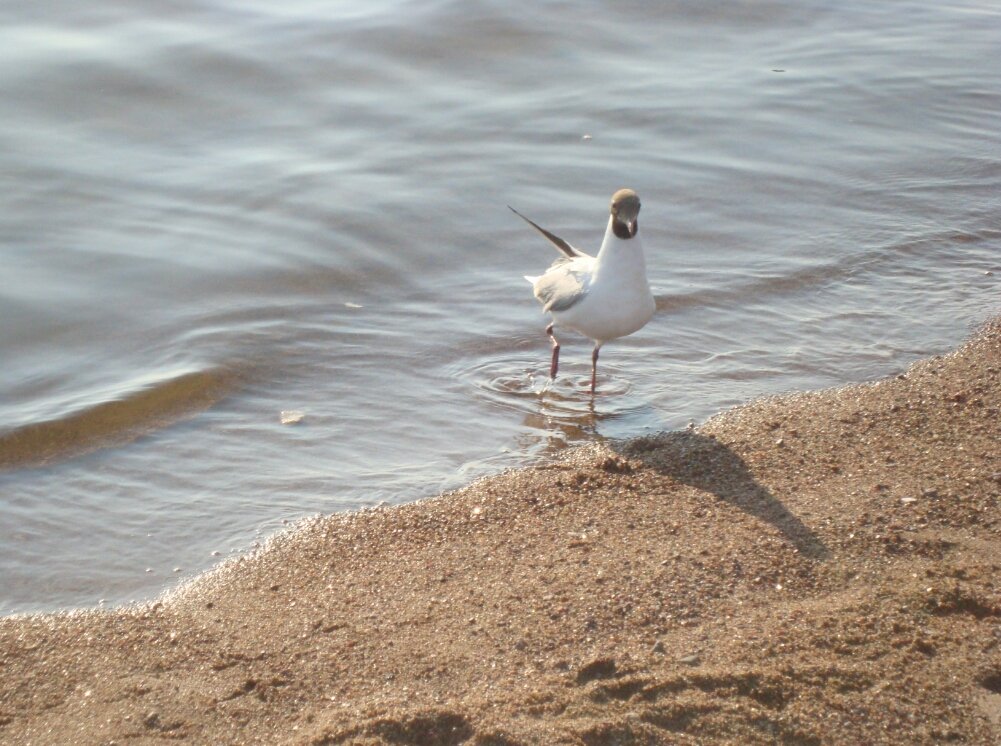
x=570 y=251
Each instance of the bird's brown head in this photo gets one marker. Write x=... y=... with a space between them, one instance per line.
x=625 y=211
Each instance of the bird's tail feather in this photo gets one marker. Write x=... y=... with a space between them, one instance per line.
x=558 y=242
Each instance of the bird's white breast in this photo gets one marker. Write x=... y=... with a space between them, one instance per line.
x=618 y=300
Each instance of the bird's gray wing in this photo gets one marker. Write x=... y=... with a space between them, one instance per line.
x=561 y=287
x=570 y=251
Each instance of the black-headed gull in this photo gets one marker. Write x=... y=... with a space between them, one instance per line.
x=603 y=297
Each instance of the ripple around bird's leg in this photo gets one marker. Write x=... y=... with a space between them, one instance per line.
x=506 y=378
x=562 y=404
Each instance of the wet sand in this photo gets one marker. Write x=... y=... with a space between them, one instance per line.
x=816 y=568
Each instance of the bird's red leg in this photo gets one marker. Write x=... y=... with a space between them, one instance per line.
x=594 y=367
x=555 y=364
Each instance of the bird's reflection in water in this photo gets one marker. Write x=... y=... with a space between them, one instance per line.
x=566 y=414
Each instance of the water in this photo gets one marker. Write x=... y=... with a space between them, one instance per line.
x=214 y=211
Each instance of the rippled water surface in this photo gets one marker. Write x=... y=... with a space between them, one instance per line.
x=216 y=211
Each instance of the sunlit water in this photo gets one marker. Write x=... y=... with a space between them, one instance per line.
x=214 y=211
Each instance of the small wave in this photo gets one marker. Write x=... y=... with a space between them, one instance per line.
x=792 y=282
x=114 y=422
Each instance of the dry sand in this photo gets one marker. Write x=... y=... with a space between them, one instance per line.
x=811 y=569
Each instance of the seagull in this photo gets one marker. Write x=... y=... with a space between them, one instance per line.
x=603 y=297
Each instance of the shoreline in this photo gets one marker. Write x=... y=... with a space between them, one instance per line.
x=816 y=567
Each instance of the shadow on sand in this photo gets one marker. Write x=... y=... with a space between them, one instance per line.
x=706 y=464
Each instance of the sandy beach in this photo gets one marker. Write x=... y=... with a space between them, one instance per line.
x=819 y=568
